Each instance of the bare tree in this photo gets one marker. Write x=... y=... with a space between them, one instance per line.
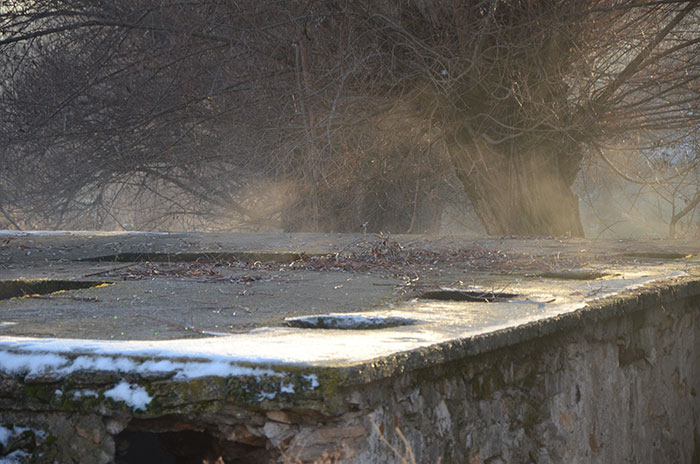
x=520 y=90
x=107 y=100
x=374 y=101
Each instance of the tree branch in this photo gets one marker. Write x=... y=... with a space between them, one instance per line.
x=638 y=62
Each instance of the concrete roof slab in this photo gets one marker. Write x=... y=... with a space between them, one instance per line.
x=212 y=310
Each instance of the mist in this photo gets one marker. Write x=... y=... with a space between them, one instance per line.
x=435 y=118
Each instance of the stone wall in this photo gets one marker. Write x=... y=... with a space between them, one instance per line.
x=623 y=389
x=615 y=382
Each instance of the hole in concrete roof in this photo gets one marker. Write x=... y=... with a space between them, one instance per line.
x=575 y=275
x=22 y=287
x=453 y=294
x=657 y=255
x=203 y=257
x=347 y=321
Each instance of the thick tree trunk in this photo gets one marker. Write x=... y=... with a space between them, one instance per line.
x=525 y=193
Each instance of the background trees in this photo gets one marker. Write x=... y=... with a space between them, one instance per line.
x=330 y=115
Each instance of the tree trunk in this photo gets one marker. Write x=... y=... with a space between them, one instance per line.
x=526 y=193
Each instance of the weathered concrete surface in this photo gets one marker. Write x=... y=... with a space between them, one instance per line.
x=566 y=370
x=171 y=301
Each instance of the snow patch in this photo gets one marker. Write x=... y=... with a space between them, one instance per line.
x=286 y=387
x=313 y=379
x=7 y=433
x=52 y=364
x=266 y=395
x=192 y=370
x=30 y=364
x=15 y=457
x=215 y=334
x=85 y=394
x=134 y=396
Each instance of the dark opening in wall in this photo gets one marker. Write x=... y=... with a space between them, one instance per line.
x=166 y=448
x=141 y=448
x=203 y=257
x=480 y=296
x=146 y=442
x=22 y=287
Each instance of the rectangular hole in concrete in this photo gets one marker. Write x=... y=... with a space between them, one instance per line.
x=657 y=255
x=202 y=257
x=452 y=294
x=22 y=287
x=347 y=322
x=574 y=275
